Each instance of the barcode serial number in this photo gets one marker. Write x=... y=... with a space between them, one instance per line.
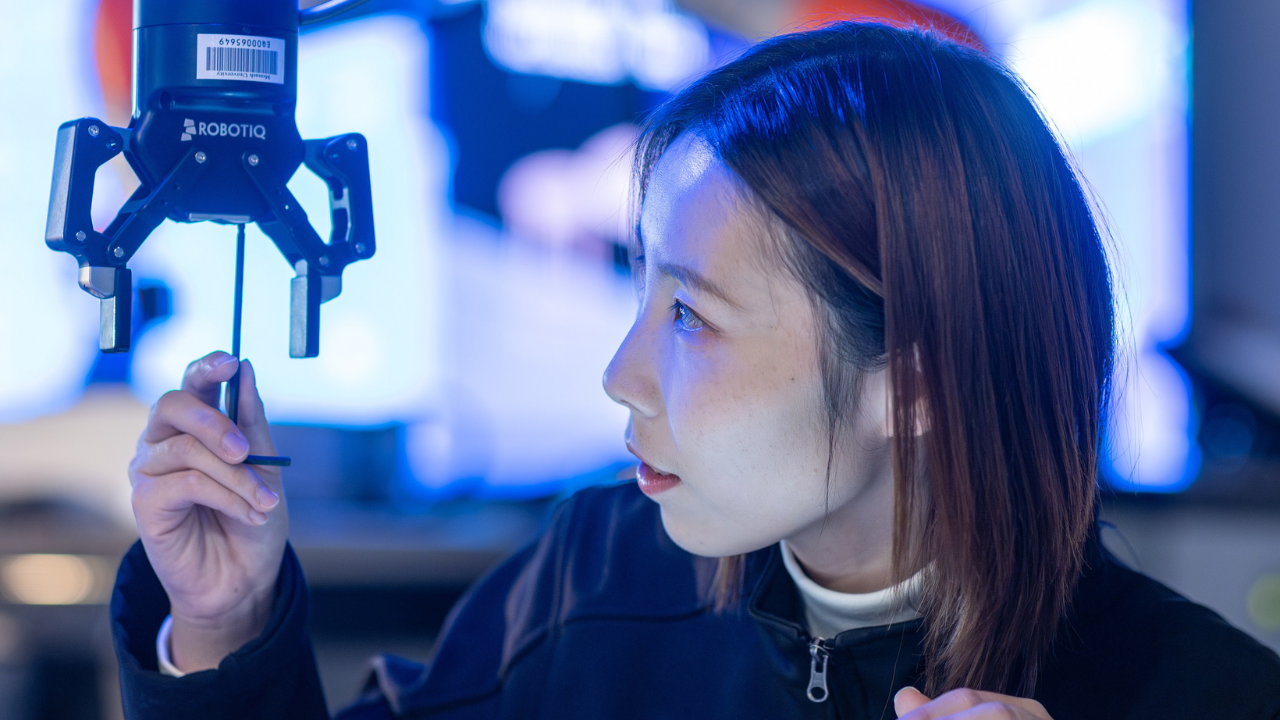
x=244 y=42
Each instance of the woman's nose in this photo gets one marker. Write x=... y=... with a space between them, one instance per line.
x=630 y=379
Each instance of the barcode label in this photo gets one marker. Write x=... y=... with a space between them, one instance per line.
x=254 y=62
x=239 y=57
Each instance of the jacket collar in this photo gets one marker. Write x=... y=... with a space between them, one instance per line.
x=775 y=603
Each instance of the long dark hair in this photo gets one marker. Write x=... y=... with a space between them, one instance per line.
x=938 y=228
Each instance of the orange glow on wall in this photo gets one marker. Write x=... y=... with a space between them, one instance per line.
x=898 y=13
x=113 y=50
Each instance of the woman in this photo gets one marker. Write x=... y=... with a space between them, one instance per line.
x=865 y=384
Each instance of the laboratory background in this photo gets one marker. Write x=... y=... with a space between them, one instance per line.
x=458 y=394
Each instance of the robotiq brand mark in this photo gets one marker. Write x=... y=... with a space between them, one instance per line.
x=191 y=128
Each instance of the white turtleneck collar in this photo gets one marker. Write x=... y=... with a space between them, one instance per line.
x=829 y=613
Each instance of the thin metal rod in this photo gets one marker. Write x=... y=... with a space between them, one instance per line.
x=233 y=387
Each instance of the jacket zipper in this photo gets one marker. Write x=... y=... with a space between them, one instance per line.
x=818 y=655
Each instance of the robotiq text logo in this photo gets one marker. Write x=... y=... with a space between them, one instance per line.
x=192 y=128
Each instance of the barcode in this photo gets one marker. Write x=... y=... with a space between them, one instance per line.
x=221 y=59
x=242 y=58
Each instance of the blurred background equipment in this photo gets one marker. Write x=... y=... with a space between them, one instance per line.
x=461 y=372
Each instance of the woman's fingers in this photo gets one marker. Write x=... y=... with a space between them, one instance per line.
x=967 y=704
x=181 y=412
x=178 y=492
x=185 y=452
x=190 y=453
x=253 y=417
x=205 y=376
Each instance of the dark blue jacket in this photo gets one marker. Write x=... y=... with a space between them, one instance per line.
x=605 y=617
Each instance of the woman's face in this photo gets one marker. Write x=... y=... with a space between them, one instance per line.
x=720 y=372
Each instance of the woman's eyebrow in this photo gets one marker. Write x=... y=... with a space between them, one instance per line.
x=694 y=279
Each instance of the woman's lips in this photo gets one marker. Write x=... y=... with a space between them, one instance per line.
x=653 y=482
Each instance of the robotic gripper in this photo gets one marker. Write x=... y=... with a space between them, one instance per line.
x=213 y=138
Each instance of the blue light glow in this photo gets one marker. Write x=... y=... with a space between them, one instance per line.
x=48 y=323
x=597 y=41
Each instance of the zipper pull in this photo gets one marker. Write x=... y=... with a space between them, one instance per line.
x=818 y=655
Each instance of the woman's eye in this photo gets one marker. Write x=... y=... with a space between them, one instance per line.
x=685 y=318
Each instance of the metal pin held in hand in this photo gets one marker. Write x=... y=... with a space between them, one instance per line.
x=233 y=385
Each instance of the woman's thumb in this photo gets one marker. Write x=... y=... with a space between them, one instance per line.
x=252 y=417
x=908 y=699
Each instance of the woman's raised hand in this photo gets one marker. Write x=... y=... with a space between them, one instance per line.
x=965 y=704
x=214 y=530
